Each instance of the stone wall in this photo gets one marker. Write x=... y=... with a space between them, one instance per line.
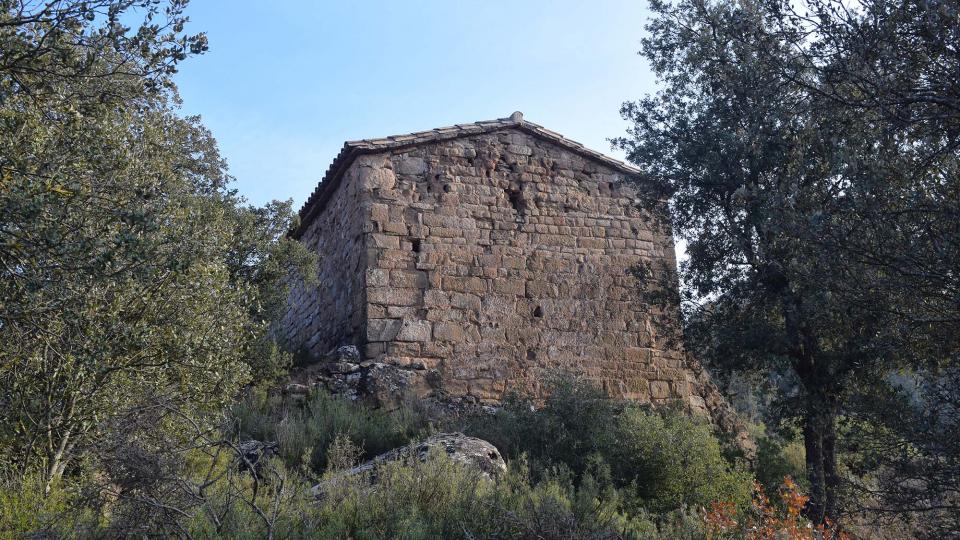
x=495 y=260
x=332 y=312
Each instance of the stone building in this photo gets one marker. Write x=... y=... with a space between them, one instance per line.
x=468 y=260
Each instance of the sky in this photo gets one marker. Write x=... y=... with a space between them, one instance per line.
x=286 y=82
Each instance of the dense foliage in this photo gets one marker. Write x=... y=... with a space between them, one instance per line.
x=662 y=459
x=133 y=283
x=672 y=473
x=305 y=431
x=810 y=153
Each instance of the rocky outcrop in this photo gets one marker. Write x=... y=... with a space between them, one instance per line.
x=252 y=454
x=342 y=372
x=472 y=452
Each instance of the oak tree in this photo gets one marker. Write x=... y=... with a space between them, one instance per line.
x=810 y=153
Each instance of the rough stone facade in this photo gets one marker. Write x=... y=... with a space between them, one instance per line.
x=489 y=256
x=333 y=312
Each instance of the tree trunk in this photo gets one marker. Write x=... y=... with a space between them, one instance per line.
x=819 y=437
x=56 y=463
x=819 y=421
x=813 y=444
x=830 y=476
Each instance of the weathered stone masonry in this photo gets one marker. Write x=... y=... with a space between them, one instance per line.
x=487 y=256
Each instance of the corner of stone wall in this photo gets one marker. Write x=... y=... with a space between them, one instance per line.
x=706 y=399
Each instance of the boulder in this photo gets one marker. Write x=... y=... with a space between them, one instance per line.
x=386 y=385
x=253 y=453
x=296 y=389
x=345 y=353
x=383 y=384
x=339 y=368
x=470 y=451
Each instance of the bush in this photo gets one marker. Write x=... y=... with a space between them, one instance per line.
x=778 y=458
x=671 y=460
x=615 y=471
x=766 y=520
x=25 y=508
x=304 y=430
x=666 y=458
x=573 y=424
x=440 y=498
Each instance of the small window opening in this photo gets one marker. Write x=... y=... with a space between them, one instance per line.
x=416 y=246
x=538 y=311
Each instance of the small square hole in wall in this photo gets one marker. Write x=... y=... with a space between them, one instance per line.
x=538 y=311
x=415 y=245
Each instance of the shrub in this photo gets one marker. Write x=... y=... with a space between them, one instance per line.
x=671 y=460
x=573 y=424
x=24 y=507
x=778 y=458
x=304 y=430
x=768 y=521
x=666 y=458
x=440 y=498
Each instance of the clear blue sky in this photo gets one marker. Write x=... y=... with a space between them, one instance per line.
x=286 y=82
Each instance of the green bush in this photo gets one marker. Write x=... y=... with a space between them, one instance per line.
x=664 y=458
x=573 y=424
x=778 y=458
x=440 y=498
x=305 y=429
x=671 y=460
x=616 y=471
x=25 y=510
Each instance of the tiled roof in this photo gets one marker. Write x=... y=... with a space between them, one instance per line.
x=351 y=149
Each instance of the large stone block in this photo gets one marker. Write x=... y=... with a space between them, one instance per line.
x=464 y=284
x=383 y=329
x=393 y=296
x=411 y=165
x=659 y=389
x=376 y=178
x=416 y=279
x=448 y=331
x=414 y=330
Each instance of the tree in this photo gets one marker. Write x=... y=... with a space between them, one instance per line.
x=810 y=154
x=904 y=450
x=130 y=274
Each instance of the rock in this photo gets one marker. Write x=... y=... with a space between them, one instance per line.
x=412 y=330
x=296 y=389
x=337 y=368
x=388 y=385
x=253 y=453
x=712 y=404
x=344 y=353
x=475 y=453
